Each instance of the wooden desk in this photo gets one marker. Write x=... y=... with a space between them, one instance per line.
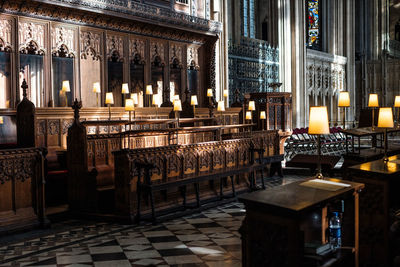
x=279 y=220
x=382 y=183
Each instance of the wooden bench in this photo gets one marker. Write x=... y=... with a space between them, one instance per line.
x=178 y=166
x=311 y=161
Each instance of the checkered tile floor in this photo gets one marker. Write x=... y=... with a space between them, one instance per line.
x=209 y=238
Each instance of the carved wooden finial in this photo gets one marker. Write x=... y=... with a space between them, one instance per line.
x=237 y=93
x=76 y=107
x=24 y=86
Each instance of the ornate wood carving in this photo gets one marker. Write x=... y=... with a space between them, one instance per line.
x=193 y=57
x=25 y=121
x=157 y=53
x=136 y=50
x=175 y=55
x=90 y=45
x=31 y=38
x=62 y=41
x=115 y=47
x=5 y=35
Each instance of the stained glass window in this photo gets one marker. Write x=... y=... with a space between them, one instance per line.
x=313 y=23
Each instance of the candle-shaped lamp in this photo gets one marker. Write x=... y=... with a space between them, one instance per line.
x=210 y=96
x=177 y=109
x=318 y=124
x=252 y=107
x=344 y=101
x=194 y=103
x=248 y=115
x=66 y=89
x=221 y=108
x=96 y=90
x=263 y=117
x=149 y=91
x=385 y=120
x=397 y=105
x=373 y=103
x=109 y=102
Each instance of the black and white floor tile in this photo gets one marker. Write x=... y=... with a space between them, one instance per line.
x=209 y=238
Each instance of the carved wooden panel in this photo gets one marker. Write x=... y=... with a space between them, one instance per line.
x=204 y=160
x=5 y=34
x=62 y=41
x=193 y=56
x=157 y=49
x=90 y=44
x=115 y=47
x=190 y=162
x=174 y=164
x=175 y=53
x=136 y=48
x=31 y=37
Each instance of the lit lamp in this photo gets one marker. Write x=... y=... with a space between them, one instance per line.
x=344 y=101
x=252 y=107
x=263 y=117
x=96 y=90
x=194 y=103
x=155 y=103
x=248 y=115
x=129 y=106
x=397 y=105
x=109 y=102
x=385 y=120
x=149 y=91
x=318 y=125
x=1 y=120
x=65 y=89
x=209 y=95
x=226 y=93
x=373 y=103
x=177 y=108
x=135 y=99
x=221 y=108
x=125 y=88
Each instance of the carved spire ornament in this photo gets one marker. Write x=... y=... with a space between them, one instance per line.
x=76 y=107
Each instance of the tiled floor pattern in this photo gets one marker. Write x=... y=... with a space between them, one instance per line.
x=209 y=238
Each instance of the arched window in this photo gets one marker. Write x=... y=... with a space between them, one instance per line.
x=248 y=18
x=313 y=24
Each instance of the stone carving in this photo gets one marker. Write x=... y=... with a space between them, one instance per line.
x=62 y=42
x=5 y=35
x=90 y=45
x=31 y=38
x=115 y=47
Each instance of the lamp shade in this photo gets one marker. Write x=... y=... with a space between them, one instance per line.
x=248 y=115
x=1 y=120
x=344 y=99
x=177 y=105
x=385 y=118
x=129 y=106
x=155 y=100
x=319 y=123
x=149 y=89
x=193 y=100
x=125 y=88
x=221 y=106
x=135 y=98
x=209 y=92
x=252 y=106
x=96 y=87
x=373 y=101
x=226 y=93
x=397 y=101
x=263 y=116
x=65 y=86
x=109 y=98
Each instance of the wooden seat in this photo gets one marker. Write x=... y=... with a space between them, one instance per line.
x=192 y=175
